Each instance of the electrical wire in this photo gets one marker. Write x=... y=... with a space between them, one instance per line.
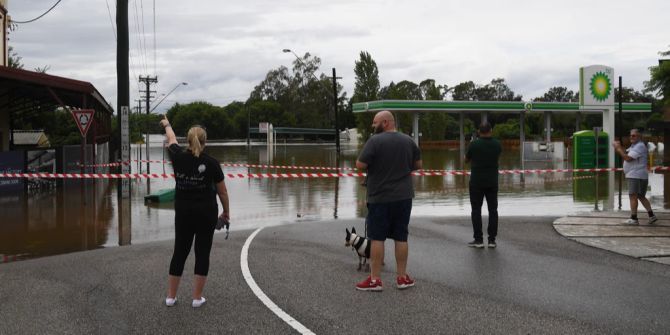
x=154 y=12
x=39 y=17
x=144 y=34
x=142 y=50
x=110 y=20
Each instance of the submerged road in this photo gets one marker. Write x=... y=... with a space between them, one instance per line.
x=536 y=281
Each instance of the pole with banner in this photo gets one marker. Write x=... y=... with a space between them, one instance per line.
x=125 y=152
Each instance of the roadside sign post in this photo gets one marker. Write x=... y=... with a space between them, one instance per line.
x=83 y=118
x=125 y=152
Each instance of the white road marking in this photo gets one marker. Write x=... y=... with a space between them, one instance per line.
x=244 y=264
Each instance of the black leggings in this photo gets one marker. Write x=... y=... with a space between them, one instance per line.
x=190 y=223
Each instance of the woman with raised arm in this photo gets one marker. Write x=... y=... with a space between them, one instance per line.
x=199 y=180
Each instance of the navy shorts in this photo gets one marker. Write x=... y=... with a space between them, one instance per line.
x=637 y=186
x=389 y=220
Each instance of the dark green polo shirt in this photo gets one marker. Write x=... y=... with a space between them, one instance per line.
x=484 y=153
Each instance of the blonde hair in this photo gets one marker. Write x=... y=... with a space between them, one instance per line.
x=196 y=140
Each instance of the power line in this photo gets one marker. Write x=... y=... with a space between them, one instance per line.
x=144 y=34
x=154 y=11
x=110 y=19
x=142 y=51
x=37 y=18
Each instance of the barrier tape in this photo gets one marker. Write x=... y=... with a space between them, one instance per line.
x=453 y=172
x=421 y=173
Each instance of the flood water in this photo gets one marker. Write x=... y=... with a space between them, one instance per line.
x=84 y=215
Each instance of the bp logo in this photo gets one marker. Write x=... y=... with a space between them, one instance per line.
x=600 y=86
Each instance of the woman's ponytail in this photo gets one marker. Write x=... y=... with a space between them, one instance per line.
x=196 y=140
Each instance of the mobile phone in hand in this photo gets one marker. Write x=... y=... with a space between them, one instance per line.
x=221 y=223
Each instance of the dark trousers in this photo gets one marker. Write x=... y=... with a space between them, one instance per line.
x=190 y=224
x=477 y=195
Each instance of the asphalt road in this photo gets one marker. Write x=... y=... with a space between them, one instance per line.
x=535 y=282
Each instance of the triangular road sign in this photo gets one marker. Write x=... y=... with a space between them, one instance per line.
x=83 y=118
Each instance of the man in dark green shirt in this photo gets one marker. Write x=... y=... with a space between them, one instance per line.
x=483 y=154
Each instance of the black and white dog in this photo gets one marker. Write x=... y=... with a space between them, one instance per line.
x=361 y=245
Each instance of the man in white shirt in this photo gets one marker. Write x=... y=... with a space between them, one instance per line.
x=635 y=168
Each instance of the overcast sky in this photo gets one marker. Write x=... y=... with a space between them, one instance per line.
x=222 y=49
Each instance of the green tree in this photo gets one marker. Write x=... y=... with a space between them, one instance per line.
x=366 y=89
x=509 y=129
x=558 y=94
x=430 y=91
x=301 y=94
x=659 y=83
x=404 y=90
x=464 y=91
x=14 y=60
x=183 y=117
x=60 y=128
x=497 y=90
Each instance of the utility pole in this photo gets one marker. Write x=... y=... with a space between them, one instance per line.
x=123 y=104
x=139 y=149
x=337 y=129
x=147 y=81
x=620 y=131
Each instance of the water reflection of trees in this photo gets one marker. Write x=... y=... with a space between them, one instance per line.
x=70 y=218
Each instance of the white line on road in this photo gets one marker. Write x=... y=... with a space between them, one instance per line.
x=259 y=293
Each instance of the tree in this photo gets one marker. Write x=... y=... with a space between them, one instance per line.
x=300 y=93
x=366 y=89
x=509 y=129
x=14 y=60
x=464 y=91
x=42 y=69
x=497 y=90
x=558 y=94
x=404 y=90
x=429 y=91
x=659 y=83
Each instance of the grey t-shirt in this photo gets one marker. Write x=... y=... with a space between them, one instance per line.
x=390 y=157
x=637 y=168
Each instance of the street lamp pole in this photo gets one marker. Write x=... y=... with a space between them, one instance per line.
x=337 y=130
x=165 y=96
x=149 y=112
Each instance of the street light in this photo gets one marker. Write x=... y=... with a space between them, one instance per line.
x=337 y=130
x=149 y=112
x=165 y=96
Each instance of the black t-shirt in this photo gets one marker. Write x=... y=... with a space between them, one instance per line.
x=484 y=153
x=196 y=177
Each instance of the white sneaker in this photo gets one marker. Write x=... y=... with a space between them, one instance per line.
x=632 y=222
x=169 y=302
x=652 y=219
x=198 y=303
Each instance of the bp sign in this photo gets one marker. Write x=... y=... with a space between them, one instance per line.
x=596 y=86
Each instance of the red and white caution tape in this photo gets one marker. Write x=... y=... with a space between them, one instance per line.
x=422 y=173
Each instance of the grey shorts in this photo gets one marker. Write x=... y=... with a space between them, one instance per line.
x=637 y=186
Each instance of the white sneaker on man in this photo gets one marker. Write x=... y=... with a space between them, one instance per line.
x=653 y=219
x=169 y=302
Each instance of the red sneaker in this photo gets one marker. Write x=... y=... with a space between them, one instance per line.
x=404 y=282
x=370 y=284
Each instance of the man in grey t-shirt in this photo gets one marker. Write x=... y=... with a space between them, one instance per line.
x=389 y=158
x=635 y=168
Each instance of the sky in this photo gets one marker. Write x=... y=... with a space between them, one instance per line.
x=222 y=49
